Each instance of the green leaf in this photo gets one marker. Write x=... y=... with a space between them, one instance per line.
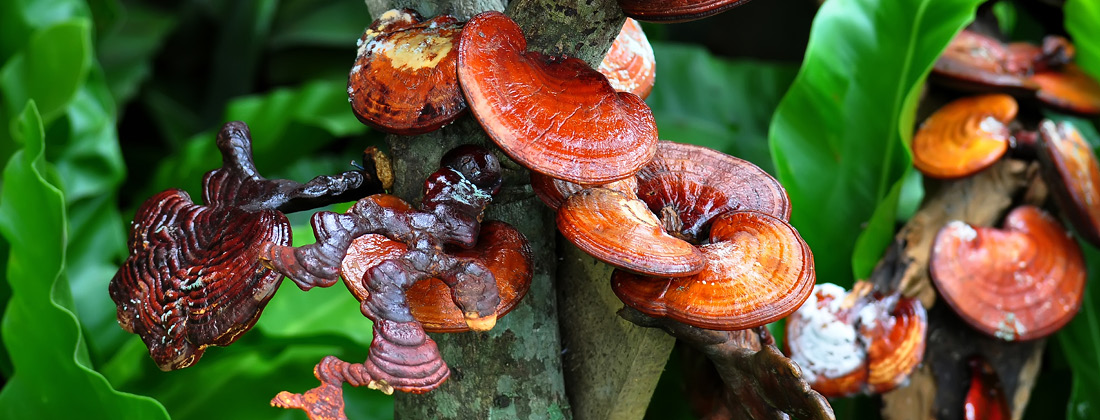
x=126 y=54
x=53 y=379
x=722 y=104
x=49 y=69
x=1080 y=341
x=1082 y=17
x=839 y=136
x=309 y=23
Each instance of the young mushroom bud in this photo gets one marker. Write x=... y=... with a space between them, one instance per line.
x=404 y=80
x=554 y=115
x=965 y=136
x=193 y=278
x=984 y=400
x=1071 y=170
x=1022 y=282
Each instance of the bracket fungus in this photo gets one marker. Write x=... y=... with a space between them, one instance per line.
x=978 y=62
x=848 y=343
x=439 y=241
x=629 y=65
x=676 y=10
x=706 y=242
x=404 y=80
x=193 y=278
x=1069 y=89
x=1022 y=282
x=984 y=398
x=554 y=115
x=965 y=136
x=1071 y=170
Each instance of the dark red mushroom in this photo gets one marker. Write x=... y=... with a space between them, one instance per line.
x=984 y=400
x=404 y=79
x=554 y=115
x=629 y=64
x=1069 y=89
x=1022 y=282
x=676 y=10
x=193 y=278
x=758 y=270
x=965 y=136
x=1071 y=170
x=977 y=62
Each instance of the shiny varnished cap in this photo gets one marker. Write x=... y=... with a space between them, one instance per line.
x=554 y=115
x=964 y=136
x=758 y=270
x=976 y=62
x=1022 y=282
x=629 y=64
x=1070 y=169
x=897 y=340
x=554 y=192
x=1069 y=89
x=676 y=10
x=404 y=78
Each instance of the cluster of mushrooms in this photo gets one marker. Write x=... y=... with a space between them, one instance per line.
x=1020 y=282
x=700 y=240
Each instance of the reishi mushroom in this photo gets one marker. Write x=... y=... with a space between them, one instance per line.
x=676 y=10
x=1071 y=170
x=554 y=115
x=404 y=80
x=965 y=136
x=1069 y=89
x=984 y=399
x=193 y=277
x=853 y=342
x=1022 y=282
x=629 y=64
x=977 y=62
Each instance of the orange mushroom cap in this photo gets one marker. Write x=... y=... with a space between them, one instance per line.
x=1020 y=283
x=554 y=115
x=404 y=79
x=758 y=270
x=1071 y=170
x=1069 y=89
x=502 y=249
x=965 y=136
x=623 y=232
x=676 y=10
x=629 y=64
x=896 y=345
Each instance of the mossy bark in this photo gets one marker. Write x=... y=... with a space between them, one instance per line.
x=515 y=370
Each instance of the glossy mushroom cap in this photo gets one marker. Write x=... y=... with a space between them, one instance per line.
x=758 y=270
x=985 y=400
x=629 y=64
x=554 y=192
x=1071 y=170
x=965 y=136
x=676 y=10
x=404 y=79
x=1069 y=89
x=621 y=231
x=1022 y=282
x=554 y=115
x=976 y=62
x=848 y=343
x=502 y=248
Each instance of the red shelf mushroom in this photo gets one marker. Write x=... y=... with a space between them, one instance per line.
x=1069 y=89
x=1072 y=172
x=676 y=10
x=629 y=64
x=404 y=80
x=554 y=115
x=1020 y=283
x=965 y=136
x=977 y=62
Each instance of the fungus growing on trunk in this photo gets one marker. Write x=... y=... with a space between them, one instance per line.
x=1071 y=170
x=404 y=80
x=1022 y=282
x=676 y=10
x=964 y=136
x=193 y=277
x=629 y=64
x=848 y=343
x=554 y=115
x=439 y=241
x=984 y=399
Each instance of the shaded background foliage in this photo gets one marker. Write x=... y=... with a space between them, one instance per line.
x=127 y=97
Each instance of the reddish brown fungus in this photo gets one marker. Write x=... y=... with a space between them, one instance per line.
x=1071 y=170
x=1069 y=89
x=193 y=278
x=676 y=10
x=629 y=64
x=984 y=400
x=976 y=62
x=554 y=192
x=554 y=115
x=404 y=80
x=1022 y=282
x=965 y=136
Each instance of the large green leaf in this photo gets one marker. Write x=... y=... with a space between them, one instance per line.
x=839 y=136
x=722 y=104
x=1083 y=24
x=53 y=378
x=50 y=68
